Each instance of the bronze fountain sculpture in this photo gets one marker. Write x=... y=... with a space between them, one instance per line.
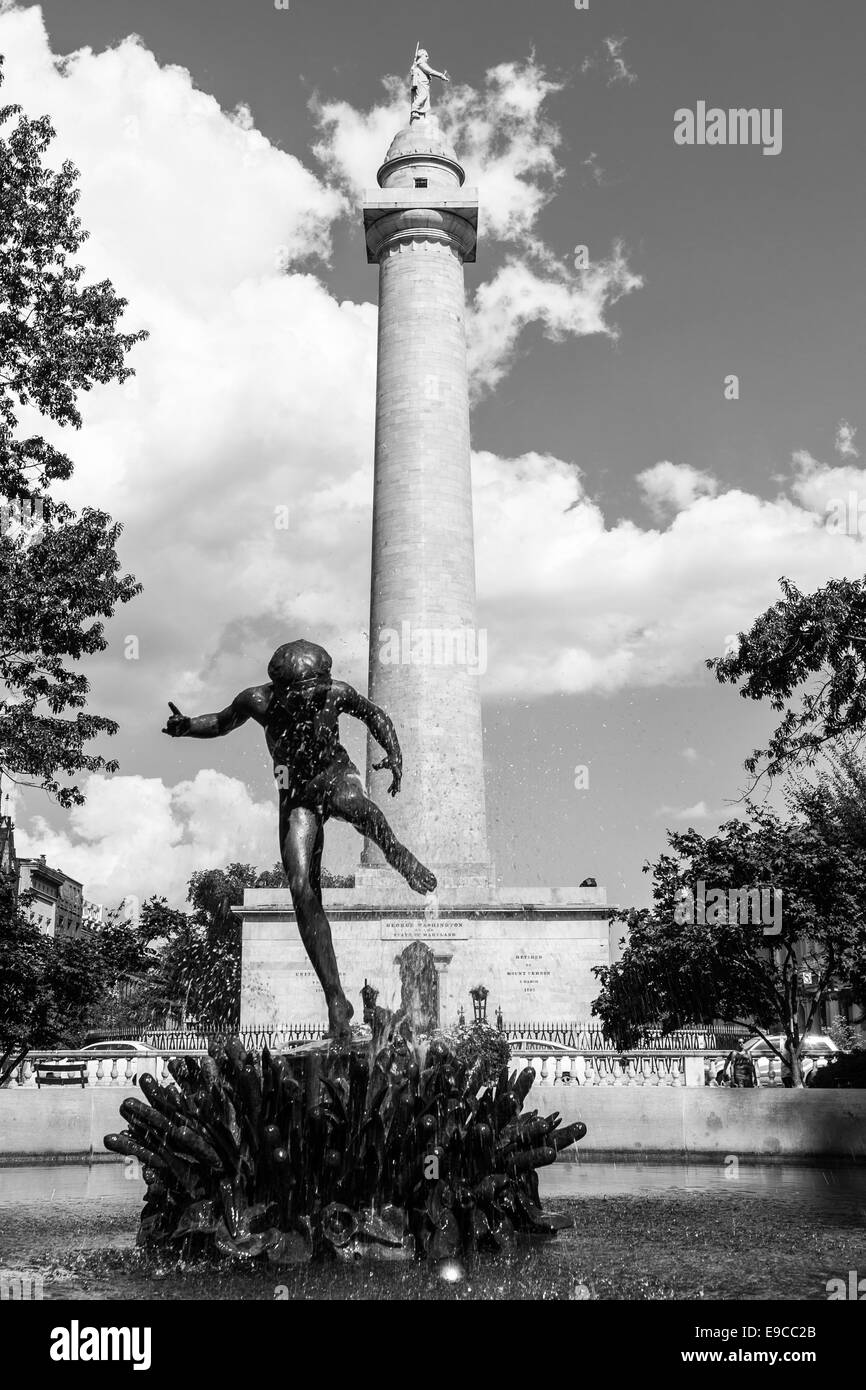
x=299 y=710
x=388 y=1147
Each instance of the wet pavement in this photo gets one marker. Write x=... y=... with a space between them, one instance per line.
x=641 y=1231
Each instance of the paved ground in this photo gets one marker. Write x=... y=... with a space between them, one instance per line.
x=732 y=1244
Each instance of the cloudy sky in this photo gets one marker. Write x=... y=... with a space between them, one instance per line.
x=629 y=516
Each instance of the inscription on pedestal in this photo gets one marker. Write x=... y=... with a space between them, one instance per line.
x=420 y=929
x=528 y=971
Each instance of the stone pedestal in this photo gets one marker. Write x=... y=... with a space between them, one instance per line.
x=533 y=948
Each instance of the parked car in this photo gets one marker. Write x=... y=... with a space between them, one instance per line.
x=817 y=1045
x=816 y=1051
x=120 y=1047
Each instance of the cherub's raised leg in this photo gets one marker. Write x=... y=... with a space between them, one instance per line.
x=349 y=801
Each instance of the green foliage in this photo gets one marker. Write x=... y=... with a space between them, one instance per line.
x=835 y=801
x=835 y=806
x=58 y=337
x=197 y=973
x=478 y=1042
x=847 y=1036
x=24 y=1005
x=50 y=987
x=277 y=878
x=676 y=973
x=814 y=644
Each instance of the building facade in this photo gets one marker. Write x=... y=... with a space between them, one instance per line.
x=8 y=858
x=57 y=900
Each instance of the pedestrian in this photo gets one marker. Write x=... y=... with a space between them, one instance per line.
x=739 y=1067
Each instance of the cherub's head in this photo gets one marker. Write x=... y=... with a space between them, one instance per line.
x=299 y=669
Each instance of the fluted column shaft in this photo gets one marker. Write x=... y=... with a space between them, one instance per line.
x=426 y=653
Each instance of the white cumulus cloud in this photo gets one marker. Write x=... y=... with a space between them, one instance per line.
x=671 y=487
x=136 y=831
x=844 y=441
x=571 y=602
x=567 y=304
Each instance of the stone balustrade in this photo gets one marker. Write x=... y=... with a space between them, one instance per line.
x=107 y=1069
x=568 y=1056
x=595 y=1067
x=600 y=1068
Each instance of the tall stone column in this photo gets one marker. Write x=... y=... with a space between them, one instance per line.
x=426 y=653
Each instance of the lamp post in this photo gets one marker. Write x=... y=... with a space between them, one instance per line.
x=479 y=1002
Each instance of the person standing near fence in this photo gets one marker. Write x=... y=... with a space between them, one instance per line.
x=739 y=1068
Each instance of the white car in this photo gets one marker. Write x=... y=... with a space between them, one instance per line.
x=816 y=1045
x=816 y=1051
x=121 y=1047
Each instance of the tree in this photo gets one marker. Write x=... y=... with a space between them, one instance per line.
x=836 y=800
x=50 y=987
x=813 y=644
x=23 y=1003
x=835 y=804
x=277 y=878
x=60 y=578
x=198 y=972
x=677 y=970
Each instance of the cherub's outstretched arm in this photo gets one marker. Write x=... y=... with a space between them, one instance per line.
x=208 y=725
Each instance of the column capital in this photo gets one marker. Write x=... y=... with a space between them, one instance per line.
x=388 y=223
